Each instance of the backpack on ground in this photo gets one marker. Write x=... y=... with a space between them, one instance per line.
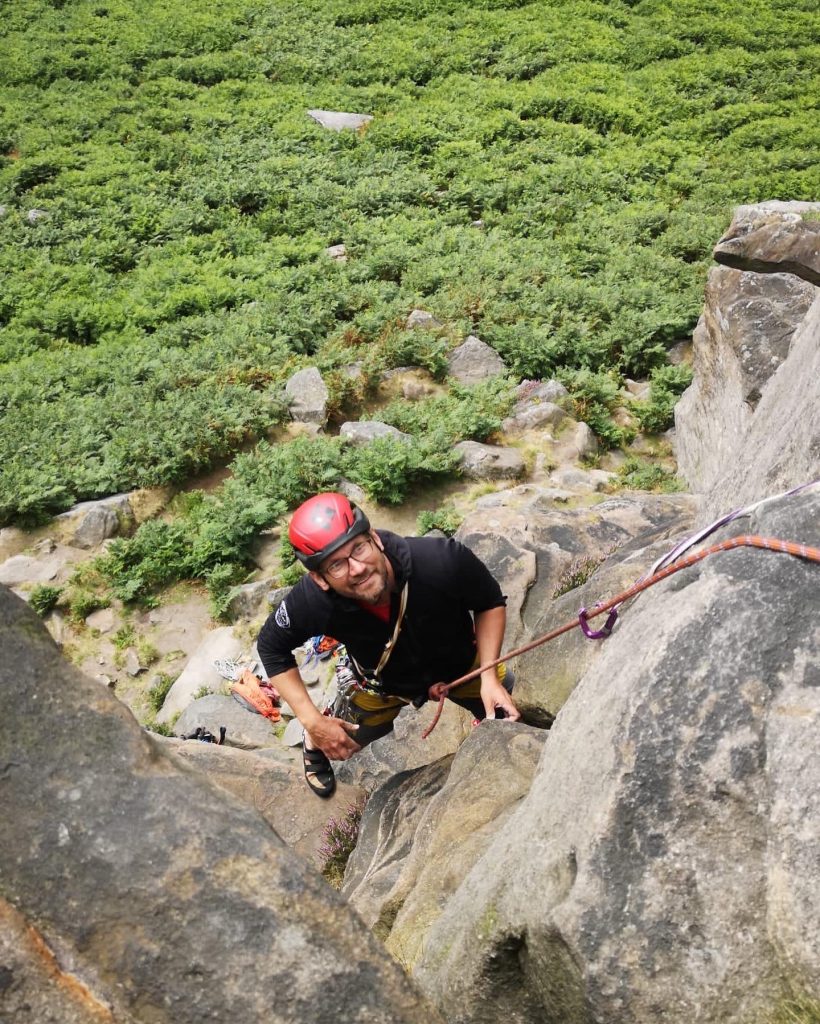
x=257 y=696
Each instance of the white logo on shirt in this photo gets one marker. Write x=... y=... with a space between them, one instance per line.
x=281 y=618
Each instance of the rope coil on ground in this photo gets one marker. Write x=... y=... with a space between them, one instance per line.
x=439 y=691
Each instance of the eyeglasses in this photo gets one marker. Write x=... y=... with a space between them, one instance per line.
x=341 y=566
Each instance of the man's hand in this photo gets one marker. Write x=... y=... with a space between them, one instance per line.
x=334 y=737
x=495 y=698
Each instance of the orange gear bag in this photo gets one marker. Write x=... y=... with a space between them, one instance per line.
x=256 y=696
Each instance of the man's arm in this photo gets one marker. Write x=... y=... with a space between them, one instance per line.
x=331 y=735
x=489 y=634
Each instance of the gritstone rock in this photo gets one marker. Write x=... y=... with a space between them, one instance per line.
x=362 y=432
x=488 y=462
x=200 y=672
x=339 y=120
x=141 y=892
x=663 y=866
x=474 y=361
x=308 y=397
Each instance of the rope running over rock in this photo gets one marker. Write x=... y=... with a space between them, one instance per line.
x=439 y=691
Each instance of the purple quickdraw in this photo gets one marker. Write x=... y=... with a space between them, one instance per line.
x=597 y=634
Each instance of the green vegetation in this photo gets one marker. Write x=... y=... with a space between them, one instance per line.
x=339 y=838
x=579 y=571
x=43 y=598
x=639 y=475
x=176 y=273
x=797 y=1010
x=667 y=385
x=444 y=518
x=157 y=694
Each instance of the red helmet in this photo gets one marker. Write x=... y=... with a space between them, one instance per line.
x=322 y=524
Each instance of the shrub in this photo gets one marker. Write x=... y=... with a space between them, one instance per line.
x=43 y=598
x=339 y=837
x=595 y=395
x=155 y=697
x=667 y=384
x=579 y=571
x=639 y=475
x=445 y=519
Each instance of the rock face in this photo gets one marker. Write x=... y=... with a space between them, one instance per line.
x=134 y=890
x=200 y=672
x=443 y=817
x=92 y=522
x=774 y=237
x=474 y=361
x=749 y=426
x=663 y=865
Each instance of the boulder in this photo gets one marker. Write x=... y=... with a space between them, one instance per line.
x=307 y=395
x=663 y=864
x=582 y=481
x=404 y=750
x=474 y=361
x=749 y=425
x=531 y=415
x=199 y=672
x=362 y=432
x=488 y=462
x=339 y=120
x=53 y=566
x=584 y=443
x=774 y=237
x=244 y=729
x=337 y=253
x=136 y=890
x=422 y=831
x=420 y=319
x=88 y=524
x=250 y=599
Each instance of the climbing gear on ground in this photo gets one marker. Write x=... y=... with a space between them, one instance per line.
x=318 y=771
x=228 y=668
x=439 y=691
x=319 y=648
x=205 y=736
x=322 y=524
x=257 y=696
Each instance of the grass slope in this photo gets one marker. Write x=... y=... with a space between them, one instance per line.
x=176 y=273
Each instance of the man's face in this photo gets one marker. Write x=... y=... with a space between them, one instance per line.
x=365 y=578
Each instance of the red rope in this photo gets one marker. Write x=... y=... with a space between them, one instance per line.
x=439 y=691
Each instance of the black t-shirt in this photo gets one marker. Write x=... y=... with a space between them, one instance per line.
x=447 y=583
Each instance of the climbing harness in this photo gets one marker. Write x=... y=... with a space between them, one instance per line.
x=439 y=691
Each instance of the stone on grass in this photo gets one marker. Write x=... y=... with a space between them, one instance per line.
x=361 y=432
x=337 y=252
x=249 y=599
x=474 y=361
x=584 y=441
x=308 y=395
x=420 y=319
x=488 y=462
x=339 y=120
x=91 y=522
x=133 y=665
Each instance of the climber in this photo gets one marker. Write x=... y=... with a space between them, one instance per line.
x=411 y=612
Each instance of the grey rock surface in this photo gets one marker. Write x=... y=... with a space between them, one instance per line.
x=420 y=319
x=89 y=523
x=199 y=671
x=136 y=890
x=531 y=415
x=307 y=394
x=404 y=749
x=339 y=120
x=250 y=599
x=749 y=425
x=488 y=462
x=422 y=831
x=362 y=432
x=774 y=237
x=337 y=252
x=529 y=541
x=244 y=729
x=474 y=361
x=663 y=865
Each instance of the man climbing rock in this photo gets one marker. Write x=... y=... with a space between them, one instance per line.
x=411 y=611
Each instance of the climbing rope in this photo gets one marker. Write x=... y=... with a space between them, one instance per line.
x=439 y=691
